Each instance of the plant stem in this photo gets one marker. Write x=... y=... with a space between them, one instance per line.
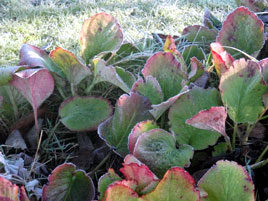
x=61 y=93
x=73 y=89
x=248 y=131
x=13 y=103
x=90 y=87
x=262 y=154
x=100 y=164
x=36 y=124
x=234 y=135
x=259 y=164
x=227 y=139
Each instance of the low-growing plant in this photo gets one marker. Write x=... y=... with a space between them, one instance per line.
x=176 y=108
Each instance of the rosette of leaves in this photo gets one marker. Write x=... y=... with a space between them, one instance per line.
x=162 y=83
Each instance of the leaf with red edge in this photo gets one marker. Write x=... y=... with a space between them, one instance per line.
x=129 y=110
x=141 y=174
x=222 y=60
x=170 y=45
x=120 y=192
x=212 y=119
x=199 y=34
x=67 y=183
x=254 y=5
x=33 y=56
x=167 y=70
x=157 y=149
x=11 y=192
x=139 y=129
x=244 y=80
x=73 y=69
x=84 y=113
x=149 y=88
x=105 y=180
x=227 y=181
x=36 y=85
x=100 y=33
x=176 y=185
x=243 y=30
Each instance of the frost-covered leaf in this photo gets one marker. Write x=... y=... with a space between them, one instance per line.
x=243 y=30
x=84 y=113
x=67 y=183
x=199 y=34
x=33 y=56
x=137 y=130
x=36 y=85
x=254 y=5
x=141 y=174
x=120 y=192
x=192 y=51
x=149 y=88
x=105 y=180
x=188 y=105
x=115 y=75
x=176 y=185
x=11 y=192
x=157 y=149
x=222 y=59
x=167 y=70
x=100 y=33
x=227 y=181
x=242 y=88
x=129 y=110
x=73 y=69
x=212 y=119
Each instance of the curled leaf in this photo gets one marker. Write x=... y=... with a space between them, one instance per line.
x=129 y=110
x=137 y=130
x=170 y=45
x=100 y=33
x=157 y=149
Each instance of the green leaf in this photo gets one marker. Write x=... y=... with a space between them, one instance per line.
x=105 y=180
x=84 y=113
x=68 y=184
x=243 y=30
x=129 y=110
x=220 y=149
x=197 y=69
x=137 y=131
x=242 y=88
x=167 y=70
x=149 y=88
x=115 y=75
x=100 y=33
x=254 y=5
x=176 y=185
x=6 y=74
x=188 y=105
x=199 y=34
x=73 y=69
x=227 y=181
x=210 y=21
x=192 y=51
x=157 y=149
x=120 y=192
